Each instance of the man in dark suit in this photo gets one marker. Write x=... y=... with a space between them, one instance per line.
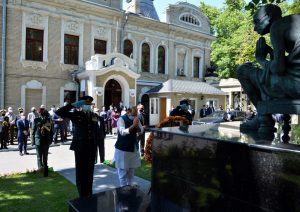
x=203 y=112
x=85 y=128
x=23 y=129
x=101 y=134
x=42 y=138
x=210 y=110
x=58 y=128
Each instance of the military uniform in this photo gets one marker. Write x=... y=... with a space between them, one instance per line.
x=101 y=134
x=85 y=126
x=4 y=135
x=42 y=138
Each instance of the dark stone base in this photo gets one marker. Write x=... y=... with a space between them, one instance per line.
x=119 y=199
x=216 y=168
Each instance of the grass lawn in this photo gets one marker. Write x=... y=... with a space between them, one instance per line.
x=144 y=171
x=33 y=192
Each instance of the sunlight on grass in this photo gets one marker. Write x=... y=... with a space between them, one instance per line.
x=19 y=192
x=46 y=193
x=144 y=171
x=24 y=183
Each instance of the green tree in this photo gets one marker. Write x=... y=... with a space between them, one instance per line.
x=255 y=4
x=235 y=38
x=233 y=27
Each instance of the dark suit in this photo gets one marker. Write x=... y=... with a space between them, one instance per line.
x=141 y=136
x=58 y=128
x=23 y=127
x=42 y=138
x=100 y=139
x=108 y=122
x=202 y=112
x=85 y=136
x=178 y=111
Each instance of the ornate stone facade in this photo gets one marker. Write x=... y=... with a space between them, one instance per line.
x=106 y=21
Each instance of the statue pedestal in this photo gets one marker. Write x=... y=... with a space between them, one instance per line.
x=217 y=168
x=119 y=199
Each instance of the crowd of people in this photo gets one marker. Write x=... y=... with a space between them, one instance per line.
x=88 y=126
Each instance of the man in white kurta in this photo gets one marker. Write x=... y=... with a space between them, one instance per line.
x=127 y=157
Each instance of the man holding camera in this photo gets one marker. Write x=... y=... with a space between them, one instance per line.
x=182 y=110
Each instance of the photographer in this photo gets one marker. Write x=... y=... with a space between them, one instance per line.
x=182 y=110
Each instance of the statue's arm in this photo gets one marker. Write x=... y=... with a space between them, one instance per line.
x=277 y=65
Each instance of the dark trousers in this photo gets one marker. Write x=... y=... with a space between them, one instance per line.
x=59 y=130
x=2 y=140
x=108 y=126
x=42 y=155
x=100 y=148
x=12 y=132
x=22 y=142
x=84 y=165
x=141 y=140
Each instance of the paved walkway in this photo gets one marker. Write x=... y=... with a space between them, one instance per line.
x=62 y=161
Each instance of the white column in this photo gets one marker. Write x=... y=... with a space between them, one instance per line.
x=91 y=86
x=44 y=100
x=176 y=60
x=23 y=96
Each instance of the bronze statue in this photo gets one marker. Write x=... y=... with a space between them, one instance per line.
x=279 y=76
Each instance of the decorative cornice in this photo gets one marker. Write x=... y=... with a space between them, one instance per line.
x=68 y=67
x=36 y=65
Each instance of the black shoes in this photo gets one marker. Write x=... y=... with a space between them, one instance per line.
x=26 y=153
x=20 y=153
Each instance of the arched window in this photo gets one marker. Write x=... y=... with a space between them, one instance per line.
x=188 y=18
x=145 y=57
x=128 y=48
x=161 y=60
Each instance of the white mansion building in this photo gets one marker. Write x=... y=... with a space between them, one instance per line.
x=54 y=50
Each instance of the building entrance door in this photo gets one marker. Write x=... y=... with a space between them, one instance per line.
x=113 y=94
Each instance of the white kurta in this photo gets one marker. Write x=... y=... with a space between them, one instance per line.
x=122 y=159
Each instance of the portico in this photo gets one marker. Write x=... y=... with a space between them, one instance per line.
x=110 y=79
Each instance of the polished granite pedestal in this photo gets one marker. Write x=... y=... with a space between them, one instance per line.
x=214 y=167
x=116 y=200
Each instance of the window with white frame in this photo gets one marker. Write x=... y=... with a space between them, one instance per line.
x=34 y=44
x=145 y=57
x=198 y=60
x=128 y=48
x=100 y=46
x=190 y=19
x=154 y=107
x=161 y=60
x=72 y=38
x=196 y=67
x=101 y=40
x=34 y=48
x=71 y=50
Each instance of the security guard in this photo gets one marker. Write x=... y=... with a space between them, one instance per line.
x=85 y=124
x=42 y=137
x=182 y=110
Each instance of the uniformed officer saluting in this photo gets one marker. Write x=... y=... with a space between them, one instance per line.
x=85 y=124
